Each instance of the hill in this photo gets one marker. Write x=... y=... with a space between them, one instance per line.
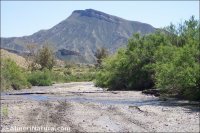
x=21 y=61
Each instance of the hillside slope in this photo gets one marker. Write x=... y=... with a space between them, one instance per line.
x=21 y=61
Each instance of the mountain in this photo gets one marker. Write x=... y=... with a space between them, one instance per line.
x=77 y=37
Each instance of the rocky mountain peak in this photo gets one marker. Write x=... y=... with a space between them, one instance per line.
x=91 y=13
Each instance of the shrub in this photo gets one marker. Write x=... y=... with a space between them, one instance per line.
x=40 y=58
x=131 y=68
x=45 y=57
x=100 y=54
x=179 y=74
x=111 y=74
x=12 y=76
x=79 y=77
x=57 y=77
x=40 y=78
x=67 y=72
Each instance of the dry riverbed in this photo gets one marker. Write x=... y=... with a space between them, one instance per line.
x=82 y=107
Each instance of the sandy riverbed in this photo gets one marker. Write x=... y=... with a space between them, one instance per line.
x=81 y=107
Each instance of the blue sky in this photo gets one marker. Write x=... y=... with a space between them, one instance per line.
x=20 y=18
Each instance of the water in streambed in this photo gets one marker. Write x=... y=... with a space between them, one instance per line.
x=41 y=97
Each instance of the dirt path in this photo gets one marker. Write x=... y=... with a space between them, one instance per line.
x=81 y=107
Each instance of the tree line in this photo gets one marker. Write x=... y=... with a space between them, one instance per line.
x=167 y=59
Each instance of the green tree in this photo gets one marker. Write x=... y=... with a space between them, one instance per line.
x=31 y=57
x=100 y=54
x=45 y=57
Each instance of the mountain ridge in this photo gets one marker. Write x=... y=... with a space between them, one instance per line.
x=81 y=34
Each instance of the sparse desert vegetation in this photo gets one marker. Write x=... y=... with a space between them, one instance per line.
x=14 y=76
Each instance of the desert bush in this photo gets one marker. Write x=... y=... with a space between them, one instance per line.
x=177 y=67
x=57 y=77
x=130 y=68
x=67 y=72
x=12 y=76
x=45 y=57
x=69 y=65
x=39 y=59
x=79 y=77
x=179 y=74
x=100 y=54
x=40 y=78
